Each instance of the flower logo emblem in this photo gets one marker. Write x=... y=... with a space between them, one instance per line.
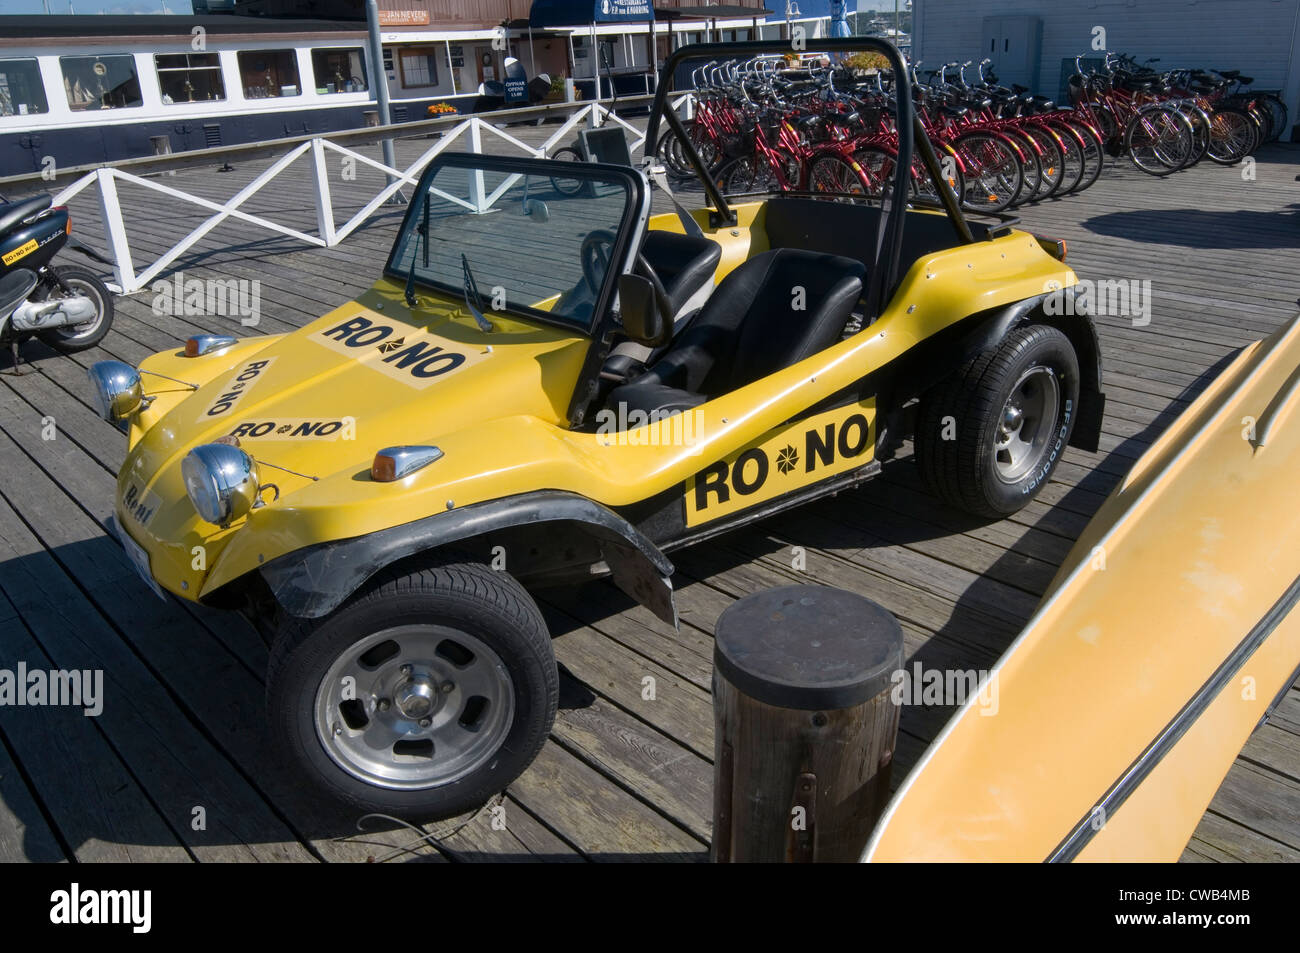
x=787 y=459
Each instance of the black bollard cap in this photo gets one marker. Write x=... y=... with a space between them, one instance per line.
x=808 y=647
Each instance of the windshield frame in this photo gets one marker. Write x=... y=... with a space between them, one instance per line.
x=636 y=214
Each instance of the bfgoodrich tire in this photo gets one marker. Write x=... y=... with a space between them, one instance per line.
x=990 y=435
x=423 y=696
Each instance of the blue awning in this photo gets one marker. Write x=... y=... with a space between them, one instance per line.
x=550 y=13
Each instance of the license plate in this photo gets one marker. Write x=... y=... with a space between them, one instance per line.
x=139 y=559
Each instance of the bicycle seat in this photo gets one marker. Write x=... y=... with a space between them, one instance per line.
x=14 y=212
x=1229 y=73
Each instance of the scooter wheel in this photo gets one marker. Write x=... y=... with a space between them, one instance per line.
x=79 y=337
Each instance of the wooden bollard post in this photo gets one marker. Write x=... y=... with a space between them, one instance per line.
x=804 y=724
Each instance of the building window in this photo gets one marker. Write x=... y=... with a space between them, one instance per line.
x=100 y=82
x=339 y=71
x=189 y=77
x=21 y=91
x=268 y=73
x=419 y=67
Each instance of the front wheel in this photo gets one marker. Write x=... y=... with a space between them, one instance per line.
x=423 y=697
x=989 y=436
x=78 y=282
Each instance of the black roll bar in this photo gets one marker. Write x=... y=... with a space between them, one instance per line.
x=906 y=122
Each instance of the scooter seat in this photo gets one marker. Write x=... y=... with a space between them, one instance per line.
x=14 y=212
x=14 y=289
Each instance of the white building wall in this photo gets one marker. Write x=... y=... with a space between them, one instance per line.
x=1257 y=37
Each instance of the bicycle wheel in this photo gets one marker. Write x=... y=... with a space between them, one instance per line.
x=1031 y=169
x=563 y=184
x=1158 y=140
x=994 y=176
x=835 y=174
x=745 y=174
x=1277 y=114
x=921 y=185
x=1094 y=151
x=877 y=164
x=1231 y=136
x=1200 y=123
x=1073 y=163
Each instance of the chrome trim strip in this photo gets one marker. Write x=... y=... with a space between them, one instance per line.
x=1146 y=762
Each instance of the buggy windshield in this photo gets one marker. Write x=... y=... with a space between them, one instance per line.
x=531 y=237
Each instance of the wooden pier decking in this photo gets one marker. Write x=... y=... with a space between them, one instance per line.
x=621 y=777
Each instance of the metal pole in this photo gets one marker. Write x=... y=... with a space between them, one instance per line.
x=451 y=67
x=379 y=80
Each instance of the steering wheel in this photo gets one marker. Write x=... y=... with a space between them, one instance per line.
x=643 y=268
x=597 y=249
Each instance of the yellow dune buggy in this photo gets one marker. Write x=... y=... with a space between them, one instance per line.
x=549 y=383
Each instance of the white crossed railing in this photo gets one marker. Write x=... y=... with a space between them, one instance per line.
x=328 y=234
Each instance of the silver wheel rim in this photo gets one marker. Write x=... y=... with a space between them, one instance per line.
x=414 y=706
x=85 y=329
x=1027 y=422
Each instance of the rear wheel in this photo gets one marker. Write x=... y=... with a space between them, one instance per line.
x=424 y=696
x=989 y=436
x=78 y=282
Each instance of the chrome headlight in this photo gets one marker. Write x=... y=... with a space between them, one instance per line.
x=117 y=389
x=221 y=482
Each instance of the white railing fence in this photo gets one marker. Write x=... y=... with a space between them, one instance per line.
x=471 y=133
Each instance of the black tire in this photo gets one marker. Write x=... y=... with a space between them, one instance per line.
x=486 y=605
x=70 y=340
x=565 y=186
x=964 y=470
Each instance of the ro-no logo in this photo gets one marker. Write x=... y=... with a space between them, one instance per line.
x=102 y=907
x=414 y=361
x=823 y=446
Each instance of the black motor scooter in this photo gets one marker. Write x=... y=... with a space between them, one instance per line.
x=67 y=307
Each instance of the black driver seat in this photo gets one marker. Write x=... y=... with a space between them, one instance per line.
x=773 y=311
x=685 y=264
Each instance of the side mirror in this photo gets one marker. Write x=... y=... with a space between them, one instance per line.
x=639 y=311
